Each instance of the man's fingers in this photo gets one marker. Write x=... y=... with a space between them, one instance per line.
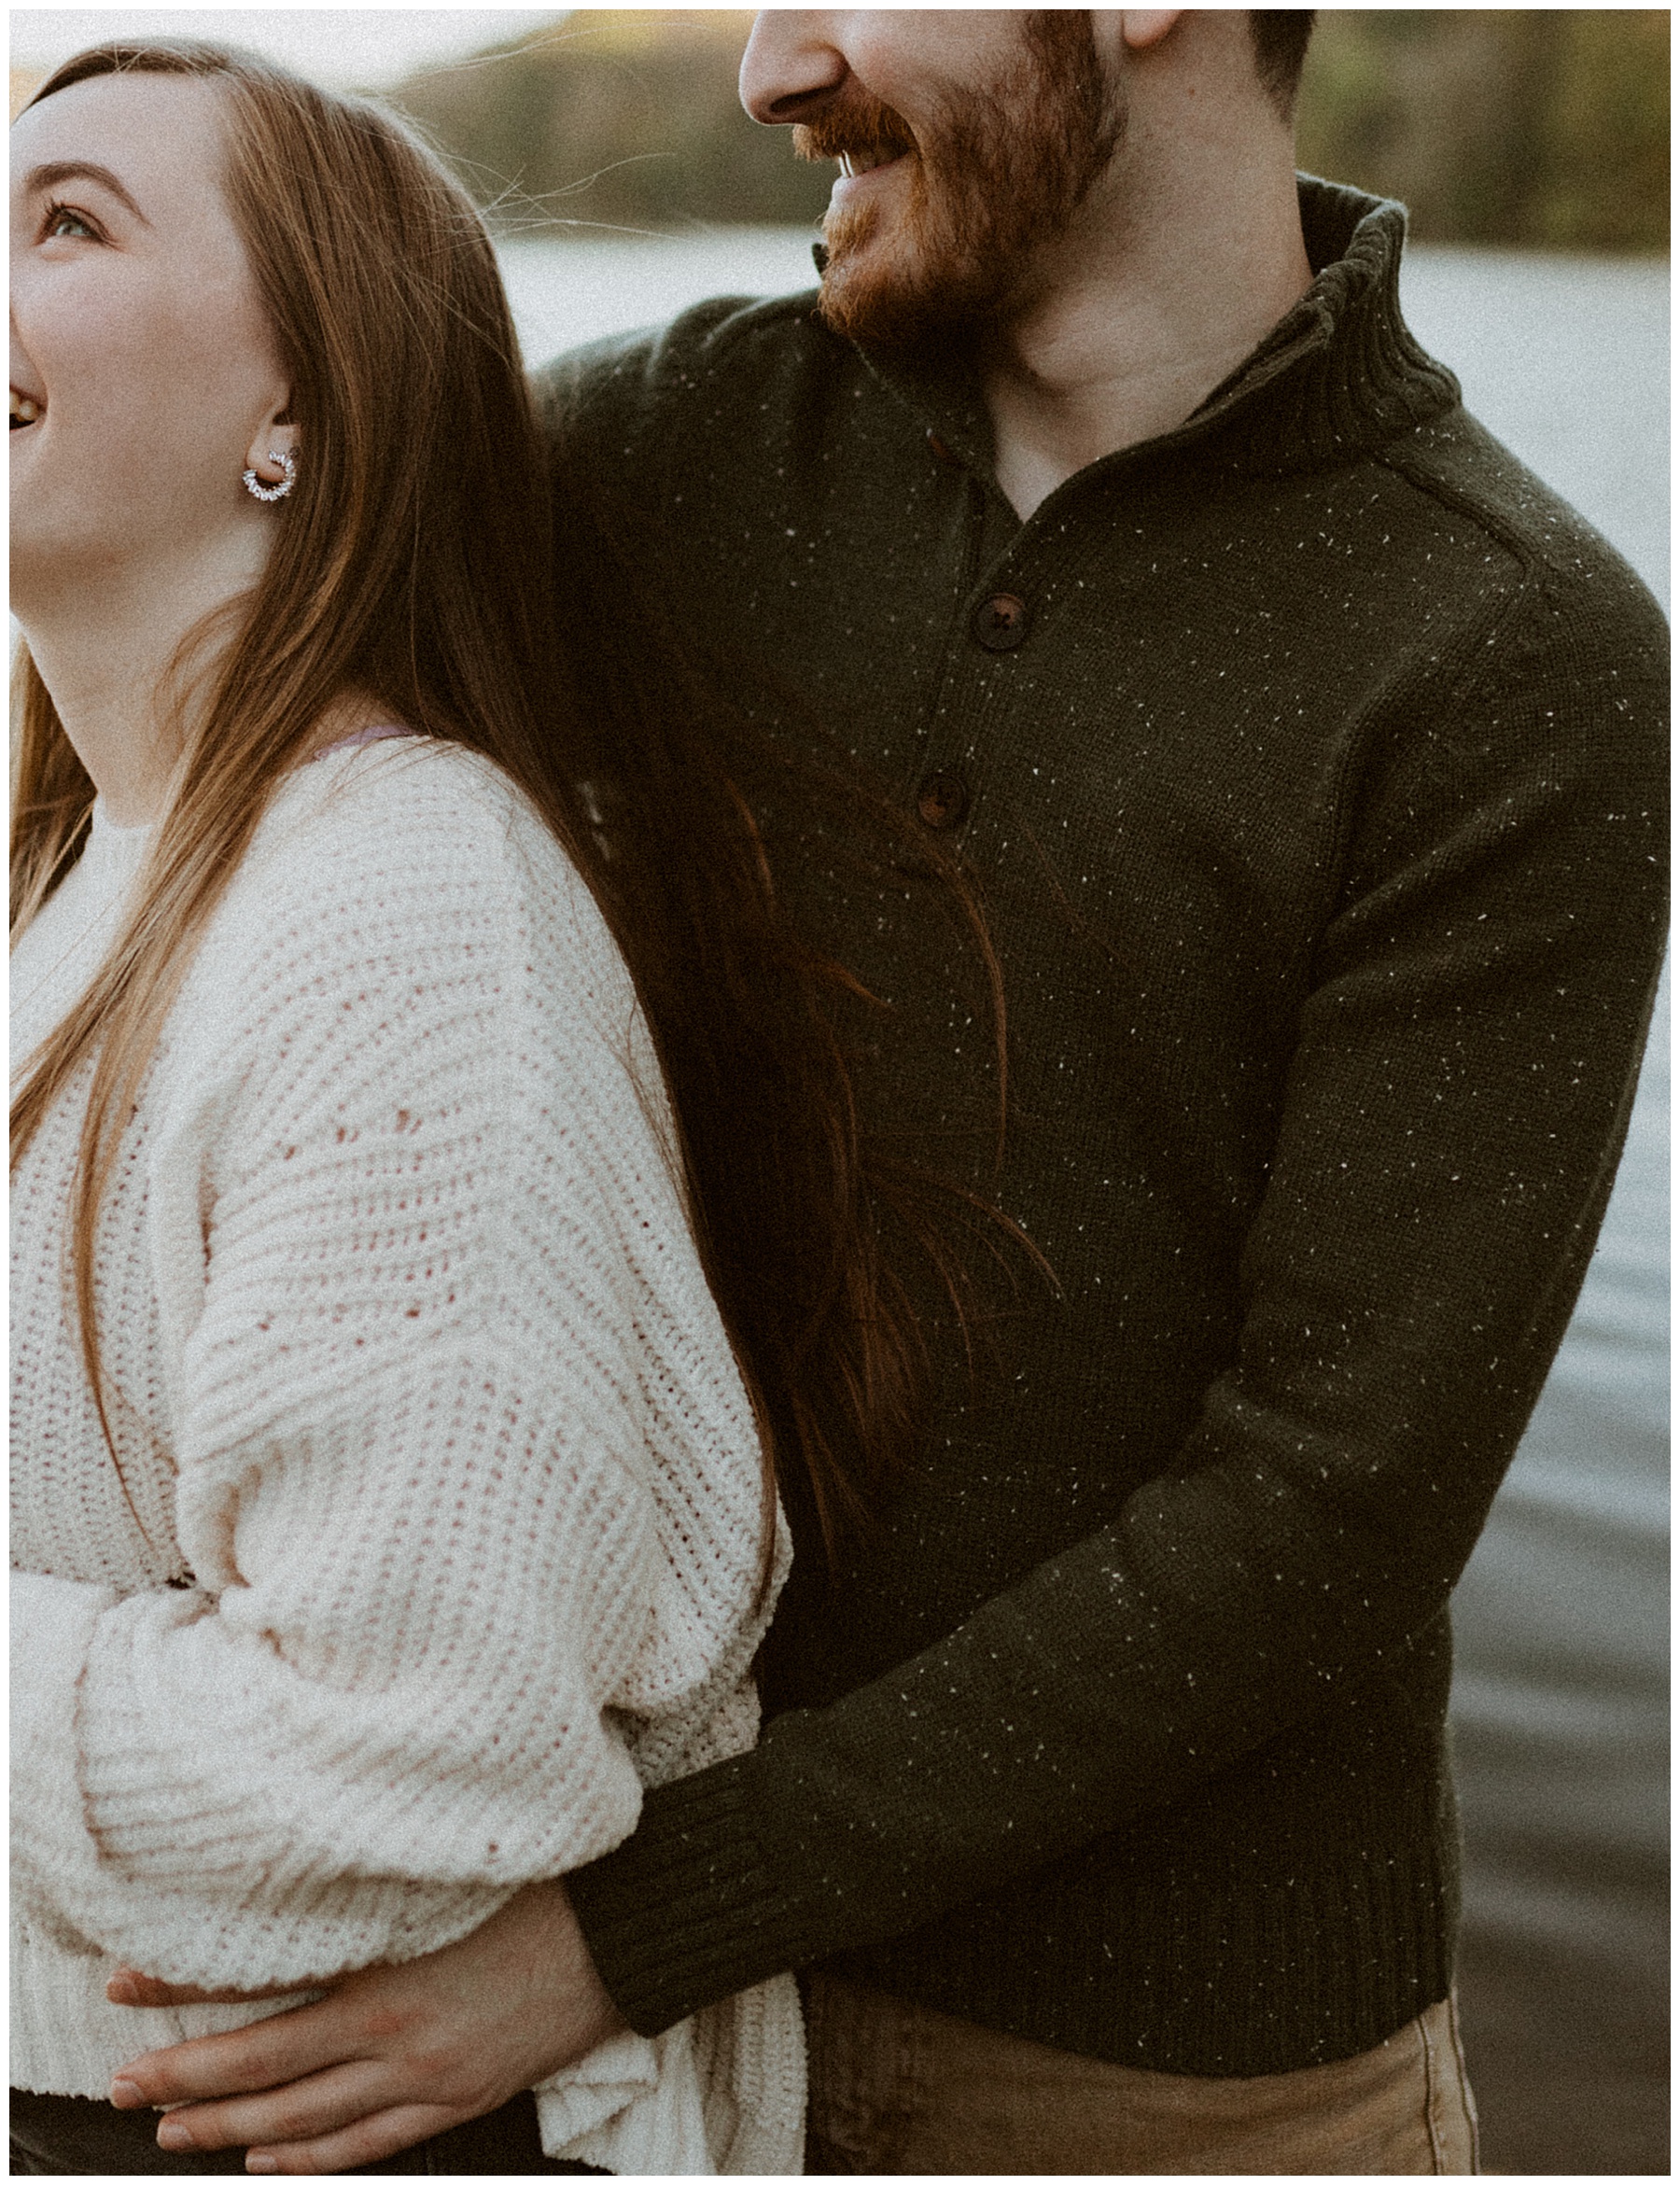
x=140 y=1991
x=138 y=1988
x=308 y=2109
x=291 y=2045
x=440 y=2040
x=371 y=2140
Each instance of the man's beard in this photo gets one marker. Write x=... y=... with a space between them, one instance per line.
x=991 y=181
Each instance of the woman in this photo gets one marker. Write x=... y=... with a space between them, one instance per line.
x=401 y=1339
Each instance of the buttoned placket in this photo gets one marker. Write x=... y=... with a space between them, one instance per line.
x=991 y=636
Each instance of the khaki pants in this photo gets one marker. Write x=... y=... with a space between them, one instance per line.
x=900 y=2091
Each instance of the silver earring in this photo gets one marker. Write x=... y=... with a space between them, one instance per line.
x=289 y=463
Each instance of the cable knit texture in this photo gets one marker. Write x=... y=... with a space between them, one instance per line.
x=438 y=1527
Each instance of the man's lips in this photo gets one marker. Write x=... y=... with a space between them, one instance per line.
x=863 y=160
x=859 y=165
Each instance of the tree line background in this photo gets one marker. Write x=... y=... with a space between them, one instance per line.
x=1534 y=126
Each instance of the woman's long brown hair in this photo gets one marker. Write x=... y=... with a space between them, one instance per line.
x=413 y=563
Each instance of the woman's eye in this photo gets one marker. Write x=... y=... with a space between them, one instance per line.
x=63 y=219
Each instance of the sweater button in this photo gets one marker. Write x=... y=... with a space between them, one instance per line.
x=1000 y=624
x=943 y=800
x=941 y=450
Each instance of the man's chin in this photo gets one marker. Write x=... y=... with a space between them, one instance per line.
x=850 y=306
x=868 y=291
x=877 y=304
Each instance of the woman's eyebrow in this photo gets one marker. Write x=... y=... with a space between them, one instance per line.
x=60 y=171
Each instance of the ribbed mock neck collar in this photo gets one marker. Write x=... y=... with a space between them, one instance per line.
x=113 y=854
x=1338 y=376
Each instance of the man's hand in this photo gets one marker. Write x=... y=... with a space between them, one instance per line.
x=390 y=2056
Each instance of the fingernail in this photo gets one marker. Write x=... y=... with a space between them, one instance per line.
x=122 y=1987
x=125 y=2095
x=262 y=2166
x=173 y=2137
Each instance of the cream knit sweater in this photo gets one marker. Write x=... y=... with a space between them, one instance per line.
x=446 y=1518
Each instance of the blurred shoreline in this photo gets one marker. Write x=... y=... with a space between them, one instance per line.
x=1509 y=126
x=1521 y=126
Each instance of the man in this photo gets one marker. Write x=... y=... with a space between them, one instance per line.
x=1307 y=753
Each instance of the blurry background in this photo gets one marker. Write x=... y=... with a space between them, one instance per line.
x=1531 y=145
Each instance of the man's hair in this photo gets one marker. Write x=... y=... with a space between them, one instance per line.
x=1280 y=37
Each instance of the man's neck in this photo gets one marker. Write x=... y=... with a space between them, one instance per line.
x=1157 y=295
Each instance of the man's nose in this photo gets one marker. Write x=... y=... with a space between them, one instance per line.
x=792 y=67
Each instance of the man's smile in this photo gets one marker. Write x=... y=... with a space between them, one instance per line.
x=865 y=160
x=859 y=165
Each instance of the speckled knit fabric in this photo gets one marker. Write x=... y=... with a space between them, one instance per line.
x=443 y=1529
x=1311 y=762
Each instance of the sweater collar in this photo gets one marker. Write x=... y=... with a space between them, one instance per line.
x=1340 y=374
x=112 y=854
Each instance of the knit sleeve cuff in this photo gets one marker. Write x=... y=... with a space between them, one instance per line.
x=685 y=1911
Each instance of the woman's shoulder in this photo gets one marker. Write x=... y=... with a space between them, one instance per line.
x=411 y=830
x=405 y=863
x=409 y=796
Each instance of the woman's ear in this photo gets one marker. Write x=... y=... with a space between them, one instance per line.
x=278 y=436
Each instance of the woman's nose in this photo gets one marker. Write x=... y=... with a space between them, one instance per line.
x=792 y=67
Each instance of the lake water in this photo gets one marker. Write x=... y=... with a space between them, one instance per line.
x=1560 y=1696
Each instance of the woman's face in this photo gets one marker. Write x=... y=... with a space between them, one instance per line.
x=138 y=343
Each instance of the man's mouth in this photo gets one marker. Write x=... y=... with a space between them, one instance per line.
x=25 y=408
x=865 y=160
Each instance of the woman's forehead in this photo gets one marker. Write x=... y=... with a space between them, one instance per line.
x=160 y=137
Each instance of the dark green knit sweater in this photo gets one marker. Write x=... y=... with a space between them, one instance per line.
x=1313 y=772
